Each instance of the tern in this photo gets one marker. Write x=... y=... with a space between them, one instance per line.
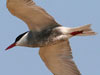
x=45 y=33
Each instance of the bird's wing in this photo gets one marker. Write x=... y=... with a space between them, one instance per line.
x=58 y=58
x=34 y=16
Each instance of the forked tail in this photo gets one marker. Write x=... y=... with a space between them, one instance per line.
x=83 y=31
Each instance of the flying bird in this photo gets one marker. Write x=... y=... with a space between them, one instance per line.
x=45 y=33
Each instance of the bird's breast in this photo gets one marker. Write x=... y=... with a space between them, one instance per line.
x=44 y=37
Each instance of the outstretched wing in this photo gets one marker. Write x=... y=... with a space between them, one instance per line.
x=58 y=58
x=34 y=16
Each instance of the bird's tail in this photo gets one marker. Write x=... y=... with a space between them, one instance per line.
x=82 y=31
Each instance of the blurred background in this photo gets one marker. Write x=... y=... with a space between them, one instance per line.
x=69 y=13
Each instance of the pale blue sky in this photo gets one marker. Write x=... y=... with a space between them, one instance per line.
x=72 y=13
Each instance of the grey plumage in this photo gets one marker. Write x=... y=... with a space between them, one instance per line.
x=48 y=35
x=43 y=37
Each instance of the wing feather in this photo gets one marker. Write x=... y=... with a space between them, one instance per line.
x=58 y=58
x=34 y=16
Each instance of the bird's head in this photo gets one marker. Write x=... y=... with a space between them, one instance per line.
x=21 y=40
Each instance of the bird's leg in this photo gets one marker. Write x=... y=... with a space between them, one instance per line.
x=76 y=32
x=83 y=31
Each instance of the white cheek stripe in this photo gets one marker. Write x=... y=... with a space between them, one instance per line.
x=22 y=41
